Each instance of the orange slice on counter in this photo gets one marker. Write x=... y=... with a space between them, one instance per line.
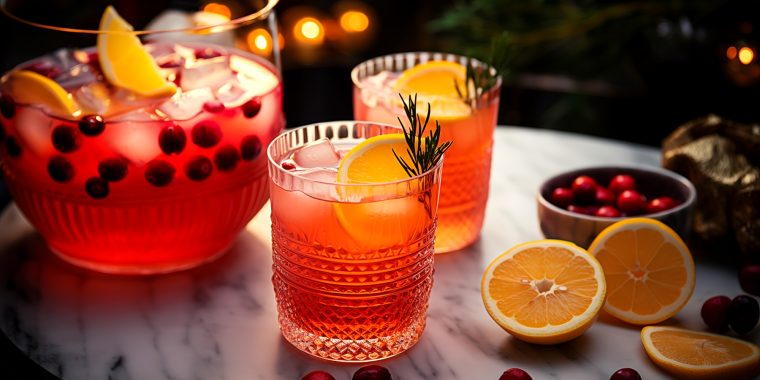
x=124 y=60
x=649 y=270
x=699 y=355
x=545 y=291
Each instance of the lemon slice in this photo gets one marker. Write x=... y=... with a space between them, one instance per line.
x=435 y=83
x=377 y=222
x=32 y=88
x=544 y=291
x=124 y=60
x=372 y=160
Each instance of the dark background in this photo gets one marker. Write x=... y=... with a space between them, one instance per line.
x=674 y=68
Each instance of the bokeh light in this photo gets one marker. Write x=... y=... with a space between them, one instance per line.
x=259 y=41
x=746 y=55
x=354 y=21
x=219 y=9
x=731 y=52
x=309 y=30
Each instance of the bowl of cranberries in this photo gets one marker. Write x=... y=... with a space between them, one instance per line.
x=578 y=204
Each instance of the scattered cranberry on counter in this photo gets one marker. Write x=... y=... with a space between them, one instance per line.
x=625 y=374
x=743 y=314
x=715 y=313
x=749 y=279
x=318 y=375
x=515 y=374
x=372 y=372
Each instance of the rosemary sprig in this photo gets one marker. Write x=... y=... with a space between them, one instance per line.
x=423 y=151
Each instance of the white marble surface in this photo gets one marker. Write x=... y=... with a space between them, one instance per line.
x=219 y=321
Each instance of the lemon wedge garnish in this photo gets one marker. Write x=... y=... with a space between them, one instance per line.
x=124 y=60
x=372 y=160
x=32 y=88
x=381 y=218
x=435 y=83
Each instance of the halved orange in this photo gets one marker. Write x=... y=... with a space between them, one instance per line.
x=649 y=270
x=372 y=160
x=124 y=60
x=32 y=88
x=545 y=291
x=698 y=355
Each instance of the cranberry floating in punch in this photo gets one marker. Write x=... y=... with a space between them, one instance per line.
x=142 y=154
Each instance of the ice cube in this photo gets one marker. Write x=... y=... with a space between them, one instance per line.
x=319 y=174
x=185 y=105
x=176 y=19
x=322 y=183
x=318 y=154
x=93 y=98
x=232 y=94
x=135 y=140
x=255 y=78
x=77 y=76
x=33 y=127
x=206 y=73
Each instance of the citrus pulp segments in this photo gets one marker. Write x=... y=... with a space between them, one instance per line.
x=124 y=60
x=435 y=84
x=29 y=87
x=700 y=355
x=511 y=294
x=648 y=268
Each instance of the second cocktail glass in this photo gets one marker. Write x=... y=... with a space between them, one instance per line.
x=353 y=263
x=469 y=123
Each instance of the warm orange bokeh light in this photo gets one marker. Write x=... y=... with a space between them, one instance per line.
x=259 y=41
x=354 y=21
x=219 y=9
x=746 y=55
x=280 y=41
x=310 y=30
x=731 y=52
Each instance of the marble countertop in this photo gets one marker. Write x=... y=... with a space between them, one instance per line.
x=219 y=321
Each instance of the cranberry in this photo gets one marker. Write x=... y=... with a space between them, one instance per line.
x=607 y=212
x=318 y=375
x=12 y=146
x=584 y=189
x=288 y=165
x=172 y=62
x=250 y=147
x=113 y=169
x=60 y=169
x=604 y=196
x=715 y=313
x=515 y=374
x=159 y=173
x=579 y=209
x=172 y=139
x=206 y=53
x=625 y=374
x=631 y=202
x=214 y=106
x=65 y=138
x=97 y=187
x=660 y=204
x=562 y=197
x=7 y=106
x=749 y=279
x=622 y=182
x=252 y=107
x=226 y=158
x=199 y=168
x=92 y=125
x=743 y=314
x=206 y=134
x=372 y=372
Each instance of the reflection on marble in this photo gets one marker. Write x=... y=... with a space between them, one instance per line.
x=219 y=321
